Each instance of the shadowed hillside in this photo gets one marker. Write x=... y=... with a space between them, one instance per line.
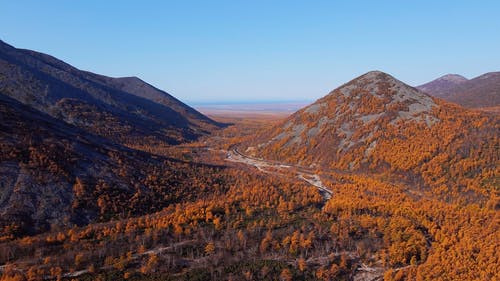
x=54 y=174
x=123 y=109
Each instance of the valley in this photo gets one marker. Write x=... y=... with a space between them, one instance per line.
x=113 y=179
x=280 y=169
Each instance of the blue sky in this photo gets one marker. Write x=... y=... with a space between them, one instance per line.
x=213 y=51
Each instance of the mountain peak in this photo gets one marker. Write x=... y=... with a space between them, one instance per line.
x=453 y=78
x=382 y=86
x=442 y=84
x=356 y=126
x=488 y=75
x=376 y=74
x=353 y=115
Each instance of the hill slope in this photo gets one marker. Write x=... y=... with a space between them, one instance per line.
x=54 y=174
x=123 y=109
x=442 y=84
x=376 y=123
x=482 y=91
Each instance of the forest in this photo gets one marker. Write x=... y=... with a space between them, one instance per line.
x=240 y=224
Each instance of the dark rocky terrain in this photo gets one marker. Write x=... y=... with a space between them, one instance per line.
x=54 y=174
x=63 y=141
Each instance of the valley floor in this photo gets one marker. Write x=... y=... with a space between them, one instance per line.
x=277 y=168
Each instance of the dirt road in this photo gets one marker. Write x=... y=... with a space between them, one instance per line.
x=273 y=167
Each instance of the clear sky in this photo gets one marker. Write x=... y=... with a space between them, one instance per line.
x=212 y=51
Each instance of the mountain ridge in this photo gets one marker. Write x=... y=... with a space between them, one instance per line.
x=481 y=91
x=117 y=110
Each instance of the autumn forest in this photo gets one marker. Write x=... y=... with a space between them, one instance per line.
x=113 y=179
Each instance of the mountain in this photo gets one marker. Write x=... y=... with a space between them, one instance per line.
x=123 y=109
x=443 y=84
x=482 y=91
x=54 y=174
x=376 y=123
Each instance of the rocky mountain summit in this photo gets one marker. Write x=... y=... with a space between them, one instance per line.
x=378 y=124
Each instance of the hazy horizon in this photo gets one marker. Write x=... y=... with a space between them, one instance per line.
x=247 y=102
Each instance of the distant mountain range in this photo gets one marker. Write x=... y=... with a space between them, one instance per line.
x=123 y=109
x=482 y=91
